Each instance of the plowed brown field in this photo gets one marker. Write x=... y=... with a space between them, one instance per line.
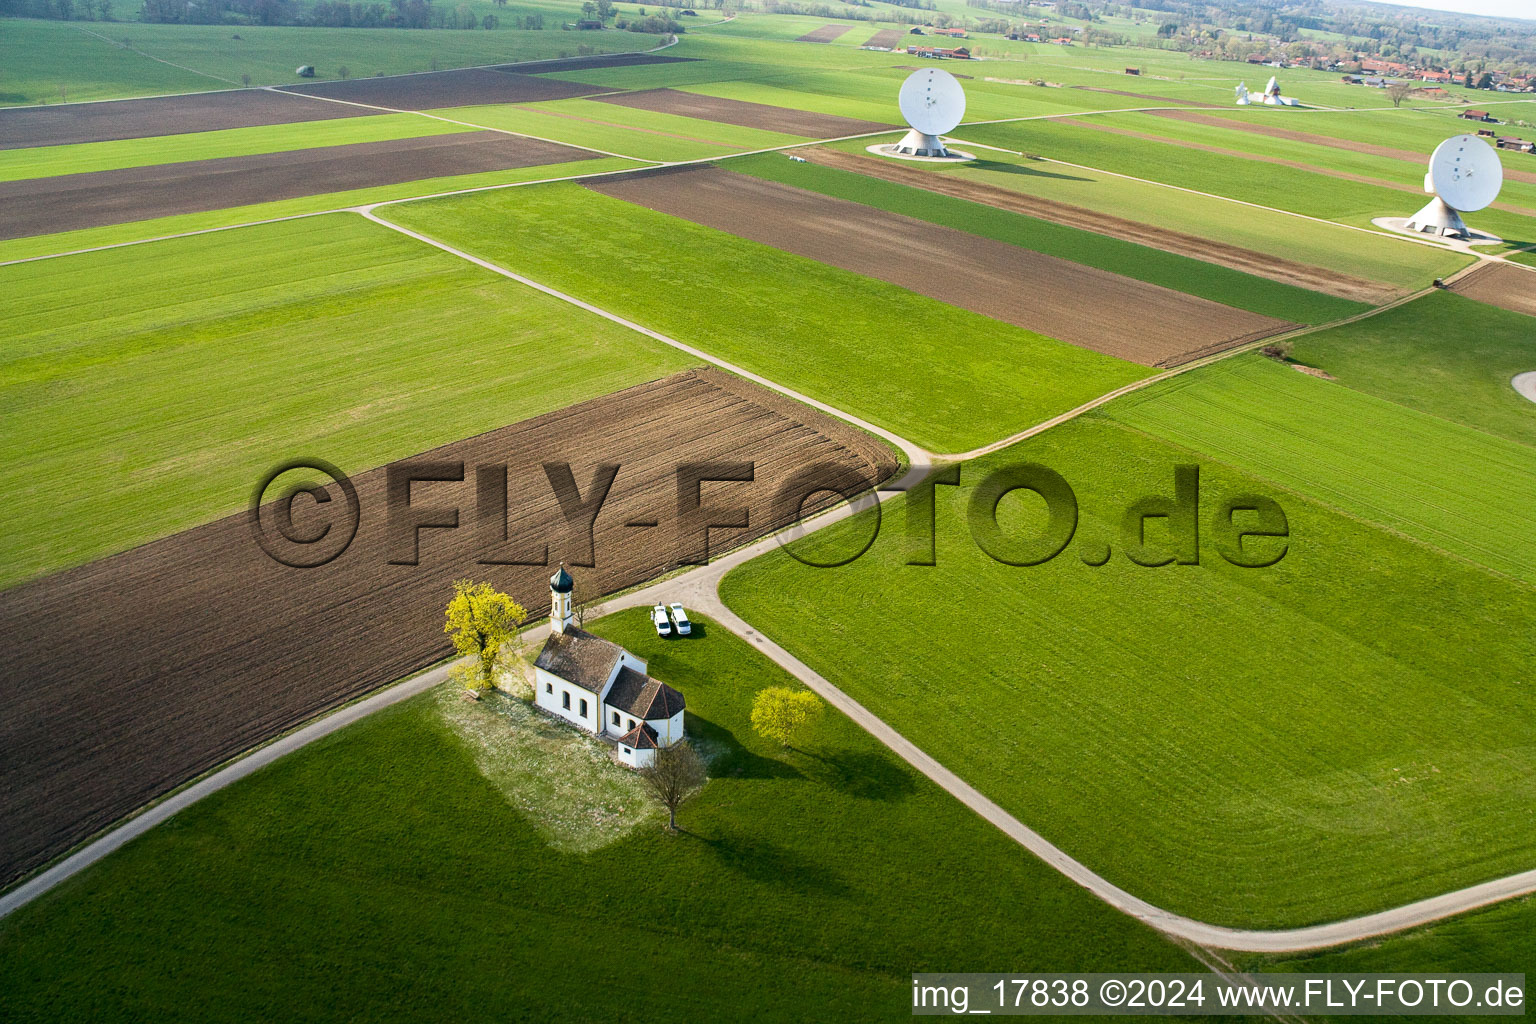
x=1249 y=261
x=64 y=124
x=1501 y=284
x=1082 y=305
x=825 y=34
x=123 y=678
x=803 y=123
x=40 y=206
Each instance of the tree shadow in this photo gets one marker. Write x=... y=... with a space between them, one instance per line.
x=728 y=759
x=867 y=775
x=760 y=859
x=1006 y=168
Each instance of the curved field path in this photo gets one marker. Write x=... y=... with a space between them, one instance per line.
x=700 y=588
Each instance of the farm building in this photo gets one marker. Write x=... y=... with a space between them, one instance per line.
x=940 y=53
x=957 y=33
x=1478 y=115
x=1518 y=145
x=596 y=685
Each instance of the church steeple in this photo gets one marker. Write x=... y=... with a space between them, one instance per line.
x=560 y=587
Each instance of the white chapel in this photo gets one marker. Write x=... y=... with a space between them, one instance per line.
x=598 y=686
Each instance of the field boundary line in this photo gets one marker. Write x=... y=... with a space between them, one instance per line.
x=403 y=74
x=1217 y=936
x=914 y=454
x=701 y=587
x=285 y=91
x=169 y=63
x=1228 y=199
x=93 y=850
x=1194 y=364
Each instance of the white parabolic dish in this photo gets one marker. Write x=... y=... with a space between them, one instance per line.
x=932 y=101
x=1465 y=172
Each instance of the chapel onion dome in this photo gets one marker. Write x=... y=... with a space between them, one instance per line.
x=561 y=582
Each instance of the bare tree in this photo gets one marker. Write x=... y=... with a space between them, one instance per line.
x=1398 y=91
x=581 y=598
x=675 y=776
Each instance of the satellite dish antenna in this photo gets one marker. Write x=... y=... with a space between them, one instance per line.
x=932 y=103
x=1465 y=175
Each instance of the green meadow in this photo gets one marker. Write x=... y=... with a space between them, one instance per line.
x=56 y=62
x=1413 y=129
x=49 y=161
x=1457 y=488
x=91 y=62
x=1405 y=172
x=1346 y=730
x=378 y=873
x=146 y=389
x=836 y=336
x=1402 y=264
x=1181 y=273
x=1444 y=354
x=1235 y=177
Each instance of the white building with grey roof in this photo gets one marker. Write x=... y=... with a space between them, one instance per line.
x=596 y=685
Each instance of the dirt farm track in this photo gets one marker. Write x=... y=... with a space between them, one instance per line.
x=1129 y=319
x=201 y=646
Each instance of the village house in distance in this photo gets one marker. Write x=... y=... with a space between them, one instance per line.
x=598 y=686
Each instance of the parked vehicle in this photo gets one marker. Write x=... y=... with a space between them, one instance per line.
x=679 y=619
x=659 y=620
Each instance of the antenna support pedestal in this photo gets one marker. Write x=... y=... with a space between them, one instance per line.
x=1438 y=219
x=915 y=143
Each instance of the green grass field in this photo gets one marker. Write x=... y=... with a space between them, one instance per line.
x=146 y=389
x=1402 y=264
x=90 y=62
x=55 y=62
x=1443 y=354
x=1287 y=188
x=1347 y=730
x=49 y=161
x=378 y=873
x=1457 y=488
x=641 y=134
x=1408 y=172
x=1210 y=281
x=1414 y=129
x=833 y=335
